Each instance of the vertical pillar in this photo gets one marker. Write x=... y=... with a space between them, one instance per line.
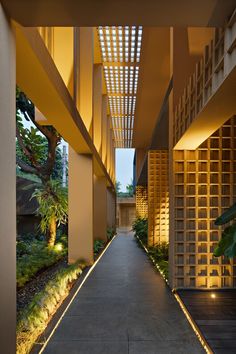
x=111 y=208
x=158 y=197
x=7 y=187
x=100 y=208
x=85 y=81
x=80 y=239
x=141 y=201
x=97 y=107
x=104 y=129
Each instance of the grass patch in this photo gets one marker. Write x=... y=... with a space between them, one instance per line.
x=35 y=318
x=34 y=256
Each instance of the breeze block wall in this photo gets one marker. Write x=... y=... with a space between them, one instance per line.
x=141 y=202
x=204 y=187
x=158 y=197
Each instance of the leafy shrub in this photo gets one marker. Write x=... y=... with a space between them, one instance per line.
x=227 y=244
x=110 y=233
x=140 y=227
x=159 y=252
x=35 y=318
x=98 y=245
x=35 y=256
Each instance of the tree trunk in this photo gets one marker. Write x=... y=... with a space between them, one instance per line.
x=52 y=232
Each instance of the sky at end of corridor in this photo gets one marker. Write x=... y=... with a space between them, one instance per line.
x=124 y=167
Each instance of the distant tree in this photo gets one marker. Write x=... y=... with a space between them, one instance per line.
x=130 y=189
x=118 y=187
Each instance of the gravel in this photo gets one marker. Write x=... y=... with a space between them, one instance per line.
x=37 y=284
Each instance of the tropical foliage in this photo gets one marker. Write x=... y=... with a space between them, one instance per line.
x=53 y=208
x=130 y=189
x=227 y=244
x=140 y=227
x=38 y=154
x=159 y=253
x=34 y=256
x=36 y=146
x=110 y=233
x=98 y=246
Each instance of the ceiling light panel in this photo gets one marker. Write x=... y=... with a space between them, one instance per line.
x=120 y=51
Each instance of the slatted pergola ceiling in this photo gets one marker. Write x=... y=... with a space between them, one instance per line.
x=120 y=49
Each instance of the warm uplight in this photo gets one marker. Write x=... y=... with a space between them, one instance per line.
x=58 y=247
x=213 y=296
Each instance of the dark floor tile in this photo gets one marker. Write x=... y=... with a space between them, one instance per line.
x=98 y=306
x=124 y=299
x=89 y=328
x=82 y=347
x=165 y=347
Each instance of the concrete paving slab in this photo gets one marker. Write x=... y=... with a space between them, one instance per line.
x=124 y=307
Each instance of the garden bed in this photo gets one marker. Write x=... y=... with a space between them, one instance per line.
x=35 y=317
x=158 y=253
x=37 y=284
x=39 y=298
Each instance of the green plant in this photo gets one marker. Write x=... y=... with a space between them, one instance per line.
x=110 y=233
x=98 y=245
x=38 y=313
x=53 y=208
x=140 y=227
x=130 y=189
x=159 y=251
x=160 y=254
x=227 y=245
x=35 y=256
x=37 y=150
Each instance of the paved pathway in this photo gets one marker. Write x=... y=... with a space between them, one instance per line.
x=215 y=317
x=124 y=307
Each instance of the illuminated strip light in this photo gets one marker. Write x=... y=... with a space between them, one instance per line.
x=73 y=297
x=181 y=304
x=192 y=323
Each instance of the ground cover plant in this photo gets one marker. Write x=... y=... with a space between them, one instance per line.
x=158 y=252
x=35 y=255
x=35 y=318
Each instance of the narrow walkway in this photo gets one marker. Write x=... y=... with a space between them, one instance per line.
x=124 y=307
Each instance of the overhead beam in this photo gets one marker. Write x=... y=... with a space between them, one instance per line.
x=119 y=12
x=38 y=77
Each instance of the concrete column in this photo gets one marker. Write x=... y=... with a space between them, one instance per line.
x=85 y=81
x=100 y=208
x=7 y=187
x=111 y=208
x=97 y=107
x=80 y=238
x=104 y=129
